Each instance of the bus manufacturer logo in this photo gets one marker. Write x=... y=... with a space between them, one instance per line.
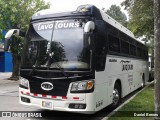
x=47 y=86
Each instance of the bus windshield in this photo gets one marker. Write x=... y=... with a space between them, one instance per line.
x=56 y=43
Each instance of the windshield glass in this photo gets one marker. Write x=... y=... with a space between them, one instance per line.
x=56 y=43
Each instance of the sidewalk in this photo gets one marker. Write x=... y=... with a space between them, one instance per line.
x=9 y=92
x=7 y=85
x=4 y=78
x=5 y=75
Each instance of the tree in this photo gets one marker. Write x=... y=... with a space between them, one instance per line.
x=157 y=55
x=16 y=48
x=141 y=20
x=16 y=13
x=116 y=13
x=141 y=17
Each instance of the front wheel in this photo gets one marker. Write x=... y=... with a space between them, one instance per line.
x=116 y=96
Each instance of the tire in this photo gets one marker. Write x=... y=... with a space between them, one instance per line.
x=116 y=96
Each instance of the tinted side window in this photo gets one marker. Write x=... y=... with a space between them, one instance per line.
x=138 y=52
x=143 y=54
x=123 y=36
x=114 y=44
x=124 y=47
x=100 y=45
x=133 y=50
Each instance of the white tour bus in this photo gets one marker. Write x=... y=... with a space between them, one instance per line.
x=79 y=61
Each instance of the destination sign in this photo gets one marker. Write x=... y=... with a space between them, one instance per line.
x=58 y=25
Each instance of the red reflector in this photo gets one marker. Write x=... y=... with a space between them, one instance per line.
x=28 y=93
x=43 y=95
x=35 y=94
x=76 y=98
x=64 y=97
x=21 y=92
x=54 y=96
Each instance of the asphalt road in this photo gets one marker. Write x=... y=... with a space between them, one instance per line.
x=9 y=101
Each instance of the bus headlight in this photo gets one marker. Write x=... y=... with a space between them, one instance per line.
x=82 y=86
x=24 y=83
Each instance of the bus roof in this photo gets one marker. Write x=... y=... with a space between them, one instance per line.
x=116 y=24
x=83 y=10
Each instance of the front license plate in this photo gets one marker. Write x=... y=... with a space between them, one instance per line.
x=47 y=104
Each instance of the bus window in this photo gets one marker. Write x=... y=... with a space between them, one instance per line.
x=122 y=36
x=138 y=52
x=124 y=47
x=132 y=50
x=114 y=44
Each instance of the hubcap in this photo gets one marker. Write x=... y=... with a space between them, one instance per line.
x=115 y=96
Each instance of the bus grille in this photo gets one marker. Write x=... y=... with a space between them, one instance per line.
x=60 y=86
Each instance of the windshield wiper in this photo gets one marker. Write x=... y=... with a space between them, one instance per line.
x=36 y=66
x=57 y=64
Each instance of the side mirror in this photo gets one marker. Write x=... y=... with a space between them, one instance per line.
x=89 y=26
x=9 y=35
x=14 y=31
x=11 y=32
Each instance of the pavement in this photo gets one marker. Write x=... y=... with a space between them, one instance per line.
x=9 y=97
x=5 y=75
x=6 y=85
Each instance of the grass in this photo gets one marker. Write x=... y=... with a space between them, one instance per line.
x=142 y=103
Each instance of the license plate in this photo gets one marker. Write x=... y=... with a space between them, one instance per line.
x=47 y=104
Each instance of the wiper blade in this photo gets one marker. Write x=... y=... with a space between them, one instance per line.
x=36 y=66
x=57 y=64
x=33 y=69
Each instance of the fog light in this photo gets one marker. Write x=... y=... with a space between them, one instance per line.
x=24 y=99
x=77 y=106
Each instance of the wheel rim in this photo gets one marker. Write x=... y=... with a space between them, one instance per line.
x=115 y=96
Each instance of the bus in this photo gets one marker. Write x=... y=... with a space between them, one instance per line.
x=79 y=61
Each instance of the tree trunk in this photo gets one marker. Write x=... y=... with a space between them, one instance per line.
x=157 y=55
x=16 y=64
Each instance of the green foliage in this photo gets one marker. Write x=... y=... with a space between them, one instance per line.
x=141 y=21
x=14 y=13
x=16 y=45
x=116 y=13
x=1 y=35
x=19 y=12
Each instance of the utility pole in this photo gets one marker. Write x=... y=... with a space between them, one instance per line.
x=157 y=55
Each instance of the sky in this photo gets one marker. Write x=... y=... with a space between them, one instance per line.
x=59 y=5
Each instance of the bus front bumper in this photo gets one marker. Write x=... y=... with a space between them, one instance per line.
x=70 y=103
